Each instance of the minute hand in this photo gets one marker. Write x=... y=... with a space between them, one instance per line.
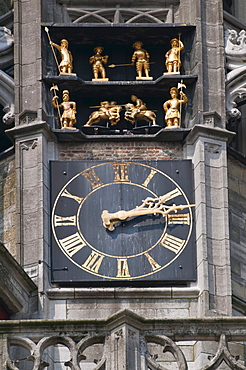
x=148 y=206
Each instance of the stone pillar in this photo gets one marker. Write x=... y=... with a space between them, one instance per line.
x=207 y=149
x=207 y=57
x=124 y=348
x=34 y=147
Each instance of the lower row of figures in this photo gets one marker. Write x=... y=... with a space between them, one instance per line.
x=134 y=111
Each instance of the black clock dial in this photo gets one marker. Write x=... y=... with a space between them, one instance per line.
x=154 y=233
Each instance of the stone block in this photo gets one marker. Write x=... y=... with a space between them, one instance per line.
x=222 y=305
x=222 y=278
x=217 y=198
x=215 y=154
x=216 y=177
x=201 y=249
x=217 y=223
x=212 y=119
x=239 y=290
x=201 y=220
x=233 y=185
x=29 y=74
x=30 y=41
x=88 y=309
x=199 y=174
x=203 y=276
x=236 y=170
x=242 y=189
x=31 y=199
x=198 y=156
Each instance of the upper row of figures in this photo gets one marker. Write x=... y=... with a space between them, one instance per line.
x=140 y=58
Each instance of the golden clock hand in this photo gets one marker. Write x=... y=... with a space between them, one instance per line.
x=148 y=206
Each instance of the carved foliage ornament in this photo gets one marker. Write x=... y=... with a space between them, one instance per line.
x=235 y=49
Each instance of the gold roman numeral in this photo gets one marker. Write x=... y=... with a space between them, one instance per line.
x=72 y=244
x=154 y=265
x=65 y=221
x=93 y=178
x=120 y=171
x=172 y=194
x=172 y=243
x=93 y=262
x=149 y=178
x=122 y=268
x=68 y=195
x=181 y=219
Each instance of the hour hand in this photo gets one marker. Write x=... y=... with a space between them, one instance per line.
x=110 y=219
x=149 y=206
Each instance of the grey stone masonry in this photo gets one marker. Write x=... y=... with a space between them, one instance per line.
x=124 y=341
x=207 y=149
x=17 y=290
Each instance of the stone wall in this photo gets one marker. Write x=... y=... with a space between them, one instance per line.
x=237 y=204
x=120 y=150
x=8 y=204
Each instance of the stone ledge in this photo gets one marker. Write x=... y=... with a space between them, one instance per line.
x=206 y=328
x=208 y=132
x=30 y=129
x=124 y=293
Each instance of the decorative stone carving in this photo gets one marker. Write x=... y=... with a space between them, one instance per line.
x=76 y=353
x=212 y=148
x=7 y=97
x=212 y=119
x=29 y=144
x=235 y=49
x=121 y=15
x=27 y=117
x=6 y=47
x=126 y=342
x=223 y=355
x=9 y=117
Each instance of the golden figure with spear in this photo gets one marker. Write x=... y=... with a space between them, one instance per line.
x=68 y=118
x=66 y=64
x=173 y=62
x=172 y=107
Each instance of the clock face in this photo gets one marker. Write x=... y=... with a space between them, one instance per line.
x=119 y=221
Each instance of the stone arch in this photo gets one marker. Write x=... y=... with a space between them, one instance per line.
x=121 y=15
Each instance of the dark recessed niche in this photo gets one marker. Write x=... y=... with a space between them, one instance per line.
x=117 y=40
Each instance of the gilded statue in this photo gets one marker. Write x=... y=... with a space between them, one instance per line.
x=66 y=64
x=98 y=60
x=108 y=111
x=139 y=111
x=172 y=107
x=173 y=61
x=68 y=118
x=141 y=57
